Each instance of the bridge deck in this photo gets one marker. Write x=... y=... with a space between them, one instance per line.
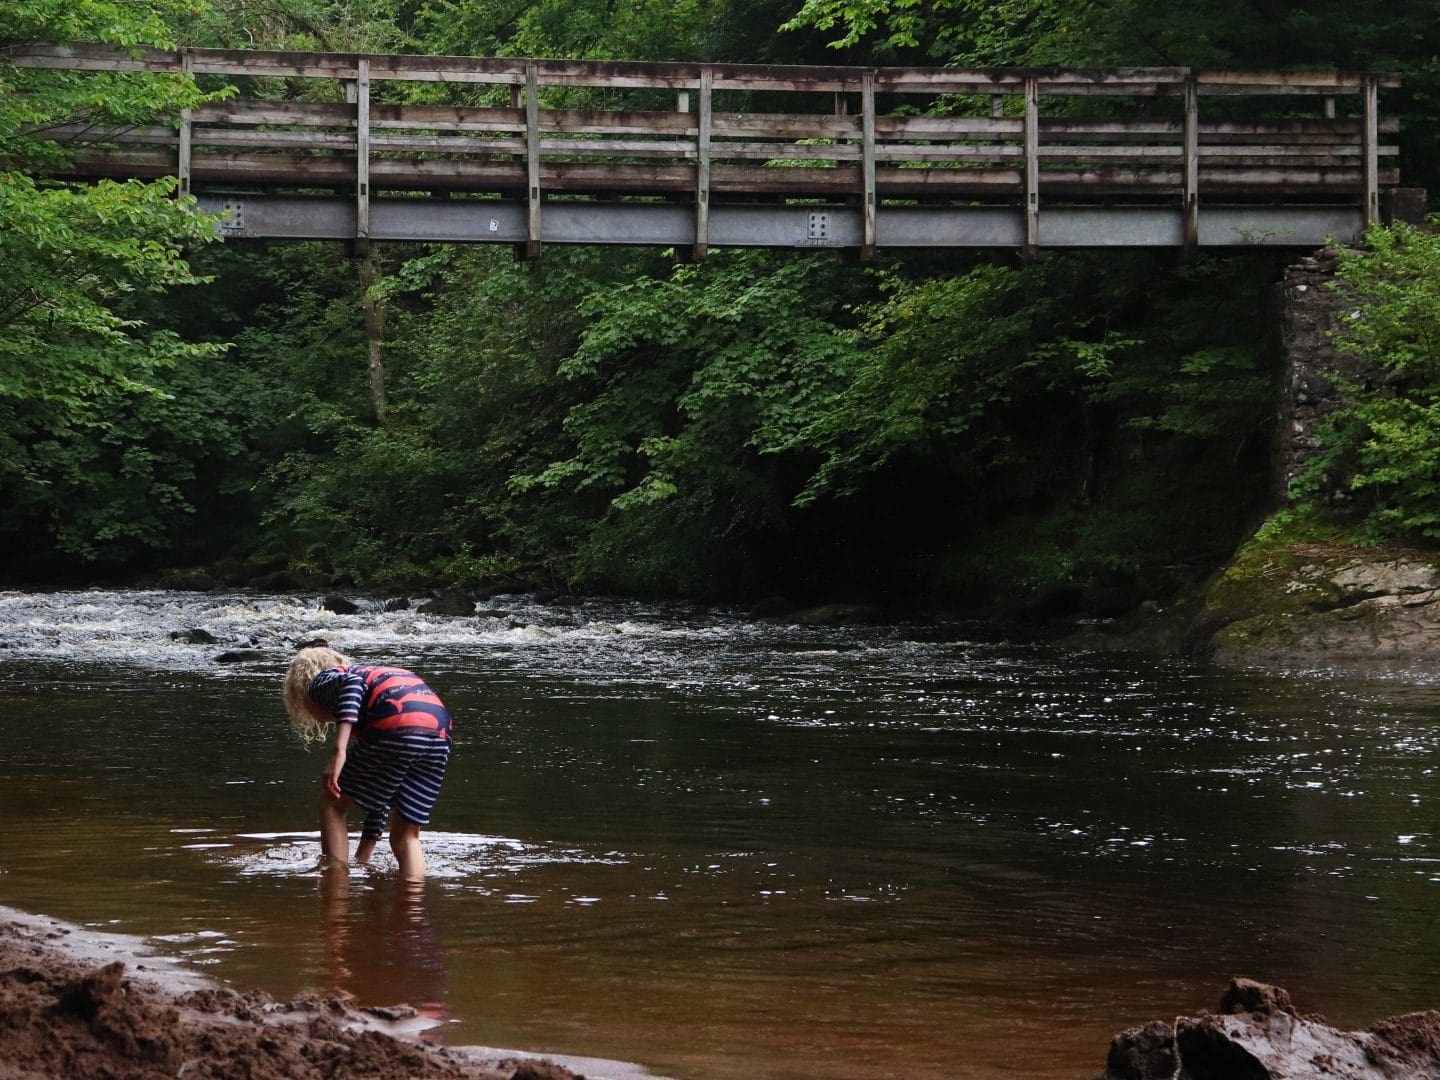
x=534 y=151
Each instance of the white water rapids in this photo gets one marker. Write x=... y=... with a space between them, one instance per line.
x=150 y=629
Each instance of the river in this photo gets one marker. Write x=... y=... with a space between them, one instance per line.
x=725 y=849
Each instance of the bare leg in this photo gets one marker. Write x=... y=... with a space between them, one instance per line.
x=334 y=838
x=405 y=842
x=365 y=849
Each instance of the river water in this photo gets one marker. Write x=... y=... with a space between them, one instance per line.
x=727 y=850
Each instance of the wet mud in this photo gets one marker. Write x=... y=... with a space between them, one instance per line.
x=68 y=1008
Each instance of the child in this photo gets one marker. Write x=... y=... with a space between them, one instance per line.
x=392 y=744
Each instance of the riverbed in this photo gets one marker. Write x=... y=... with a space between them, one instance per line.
x=723 y=848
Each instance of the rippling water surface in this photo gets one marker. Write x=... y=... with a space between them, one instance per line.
x=728 y=850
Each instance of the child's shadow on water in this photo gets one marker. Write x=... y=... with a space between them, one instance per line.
x=381 y=948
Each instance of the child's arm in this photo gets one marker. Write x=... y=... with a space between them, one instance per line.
x=337 y=760
x=338 y=692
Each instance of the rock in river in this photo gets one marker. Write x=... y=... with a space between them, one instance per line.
x=1257 y=1035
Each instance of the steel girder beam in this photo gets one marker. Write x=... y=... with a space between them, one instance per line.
x=778 y=226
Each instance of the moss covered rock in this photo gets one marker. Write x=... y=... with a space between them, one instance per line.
x=1308 y=600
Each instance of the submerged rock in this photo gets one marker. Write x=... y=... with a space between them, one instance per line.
x=188 y=581
x=836 y=615
x=454 y=602
x=772 y=607
x=1256 y=1034
x=194 y=636
x=276 y=581
x=240 y=656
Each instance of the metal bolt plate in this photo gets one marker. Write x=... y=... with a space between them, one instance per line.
x=233 y=221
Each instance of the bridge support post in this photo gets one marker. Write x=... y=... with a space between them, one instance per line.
x=1191 y=224
x=532 y=159
x=702 y=166
x=867 y=164
x=1032 y=165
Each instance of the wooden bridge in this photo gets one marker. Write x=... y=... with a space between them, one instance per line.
x=529 y=152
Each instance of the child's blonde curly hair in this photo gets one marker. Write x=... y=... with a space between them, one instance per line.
x=306 y=717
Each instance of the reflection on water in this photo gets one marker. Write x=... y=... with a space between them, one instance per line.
x=729 y=850
x=378 y=933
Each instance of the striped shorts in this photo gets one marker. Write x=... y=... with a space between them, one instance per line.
x=402 y=771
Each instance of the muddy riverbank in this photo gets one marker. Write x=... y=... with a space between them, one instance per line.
x=82 y=1005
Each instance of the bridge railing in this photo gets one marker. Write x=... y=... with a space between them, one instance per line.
x=746 y=132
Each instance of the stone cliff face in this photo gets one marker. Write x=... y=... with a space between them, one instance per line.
x=1313 y=370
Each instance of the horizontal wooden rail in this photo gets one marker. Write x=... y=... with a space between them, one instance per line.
x=662 y=75
x=1044 y=136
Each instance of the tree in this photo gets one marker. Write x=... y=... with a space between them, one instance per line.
x=682 y=453
x=1386 y=438
x=77 y=256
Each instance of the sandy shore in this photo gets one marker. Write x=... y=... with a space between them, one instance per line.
x=80 y=1004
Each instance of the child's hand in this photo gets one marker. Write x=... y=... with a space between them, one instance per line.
x=331 y=775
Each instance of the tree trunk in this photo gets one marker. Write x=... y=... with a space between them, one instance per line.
x=373 y=309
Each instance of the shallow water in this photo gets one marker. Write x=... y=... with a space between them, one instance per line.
x=727 y=850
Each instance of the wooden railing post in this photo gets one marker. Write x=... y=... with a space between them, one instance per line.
x=362 y=148
x=532 y=156
x=1191 y=215
x=1032 y=165
x=182 y=149
x=1371 y=151
x=867 y=164
x=702 y=164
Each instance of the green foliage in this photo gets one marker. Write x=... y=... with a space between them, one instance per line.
x=72 y=256
x=602 y=29
x=374 y=512
x=1397 y=280
x=1209 y=33
x=475 y=339
x=636 y=29
x=1094 y=426
x=1386 y=437
x=940 y=355
x=695 y=386
x=79 y=371
x=301 y=25
x=119 y=22
x=130 y=488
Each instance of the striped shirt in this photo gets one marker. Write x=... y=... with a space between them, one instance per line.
x=381 y=700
